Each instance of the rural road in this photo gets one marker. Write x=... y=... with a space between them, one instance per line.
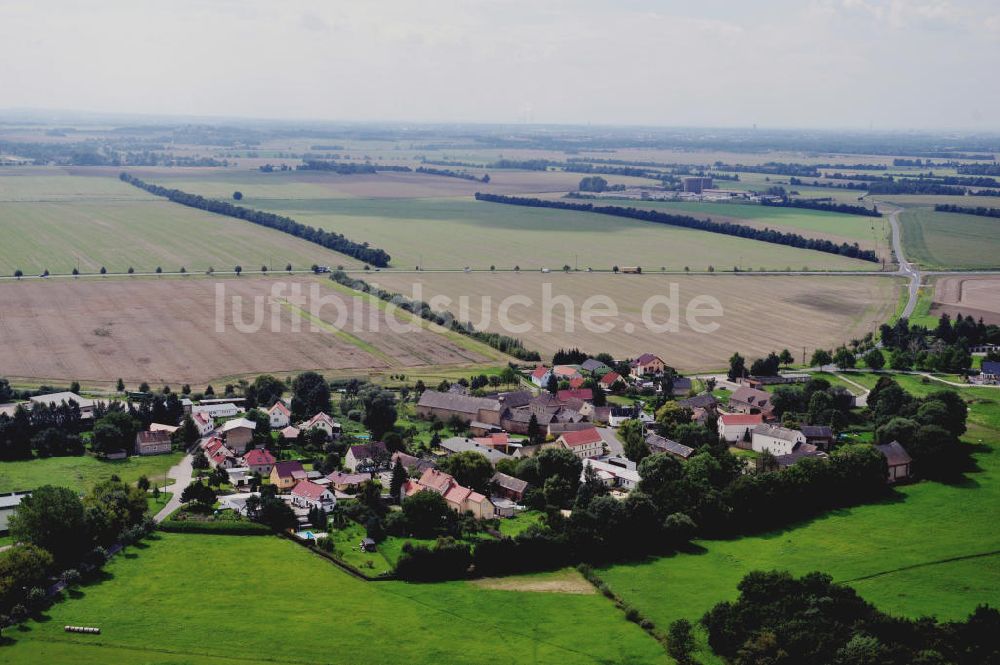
x=181 y=473
x=906 y=269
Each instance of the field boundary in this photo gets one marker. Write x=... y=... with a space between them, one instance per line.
x=925 y=564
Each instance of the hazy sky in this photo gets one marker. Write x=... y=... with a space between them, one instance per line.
x=782 y=63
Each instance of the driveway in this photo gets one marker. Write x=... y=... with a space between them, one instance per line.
x=181 y=473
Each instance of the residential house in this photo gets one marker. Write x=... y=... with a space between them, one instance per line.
x=646 y=365
x=238 y=434
x=219 y=455
x=898 y=459
x=566 y=372
x=367 y=457
x=735 y=427
x=280 y=415
x=584 y=444
x=284 y=475
x=751 y=400
x=445 y=406
x=321 y=421
x=990 y=371
x=413 y=464
x=659 y=444
x=290 y=433
x=682 y=386
x=460 y=499
x=577 y=382
x=540 y=376
x=459 y=444
x=583 y=394
x=307 y=494
x=203 y=422
x=152 y=443
x=594 y=367
x=705 y=401
x=610 y=380
x=259 y=461
x=347 y=482
x=555 y=429
x=622 y=475
x=508 y=487
x=820 y=436
x=774 y=439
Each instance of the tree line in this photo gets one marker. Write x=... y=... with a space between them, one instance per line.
x=448 y=173
x=335 y=241
x=347 y=168
x=808 y=204
x=981 y=211
x=686 y=221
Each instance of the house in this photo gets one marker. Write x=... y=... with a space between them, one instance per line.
x=584 y=444
x=577 y=382
x=610 y=380
x=367 y=457
x=735 y=427
x=646 y=365
x=203 y=422
x=460 y=499
x=704 y=401
x=820 y=436
x=307 y=494
x=682 y=386
x=321 y=421
x=566 y=372
x=347 y=482
x=238 y=433
x=216 y=410
x=497 y=441
x=622 y=475
x=750 y=400
x=290 y=433
x=280 y=415
x=459 y=444
x=413 y=464
x=219 y=455
x=152 y=443
x=284 y=475
x=259 y=461
x=9 y=501
x=239 y=478
x=445 y=406
x=555 y=429
x=583 y=394
x=898 y=459
x=774 y=439
x=540 y=376
x=53 y=400
x=594 y=367
x=659 y=444
x=159 y=427
x=508 y=487
x=755 y=381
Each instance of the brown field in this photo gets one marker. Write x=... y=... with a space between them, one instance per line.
x=165 y=331
x=977 y=296
x=760 y=313
x=563 y=581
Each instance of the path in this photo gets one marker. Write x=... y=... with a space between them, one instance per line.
x=181 y=473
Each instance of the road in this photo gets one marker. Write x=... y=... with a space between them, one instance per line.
x=182 y=474
x=906 y=269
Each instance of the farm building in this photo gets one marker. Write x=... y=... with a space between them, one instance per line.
x=659 y=444
x=152 y=443
x=735 y=427
x=776 y=440
x=238 y=433
x=750 y=400
x=623 y=476
x=445 y=406
x=898 y=459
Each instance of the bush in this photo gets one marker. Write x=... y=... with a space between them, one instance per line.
x=225 y=528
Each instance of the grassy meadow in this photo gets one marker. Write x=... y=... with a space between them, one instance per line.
x=83 y=472
x=178 y=599
x=941 y=240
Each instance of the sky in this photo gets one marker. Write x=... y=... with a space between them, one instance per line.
x=838 y=64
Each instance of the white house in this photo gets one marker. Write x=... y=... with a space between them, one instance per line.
x=622 y=475
x=204 y=423
x=280 y=415
x=307 y=494
x=540 y=376
x=584 y=443
x=776 y=440
x=733 y=427
x=321 y=421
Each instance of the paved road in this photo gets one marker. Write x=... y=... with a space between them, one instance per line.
x=181 y=473
x=906 y=269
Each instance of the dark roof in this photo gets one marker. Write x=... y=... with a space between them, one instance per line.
x=158 y=436
x=559 y=428
x=285 y=469
x=509 y=482
x=751 y=396
x=513 y=399
x=991 y=367
x=895 y=453
x=645 y=359
x=625 y=411
x=590 y=364
x=801 y=451
x=658 y=444
x=703 y=401
x=365 y=450
x=816 y=431
x=682 y=383
x=432 y=399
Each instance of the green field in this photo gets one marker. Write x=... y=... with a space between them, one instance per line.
x=63 y=222
x=187 y=599
x=940 y=240
x=81 y=473
x=902 y=547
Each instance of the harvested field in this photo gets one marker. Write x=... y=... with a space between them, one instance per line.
x=170 y=331
x=977 y=296
x=564 y=581
x=760 y=313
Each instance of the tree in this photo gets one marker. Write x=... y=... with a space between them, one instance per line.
x=874 y=359
x=427 y=514
x=552 y=385
x=22 y=567
x=238 y=269
x=200 y=461
x=237 y=195
x=786 y=357
x=680 y=641
x=470 y=469
x=509 y=376
x=310 y=395
x=821 y=357
x=120 y=387
x=52 y=518
x=380 y=412
x=535 y=434
x=399 y=478
x=633 y=442
x=843 y=358
x=144 y=387
x=737 y=367
x=18 y=274
x=113 y=507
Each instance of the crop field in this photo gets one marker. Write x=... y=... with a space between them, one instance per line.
x=454 y=233
x=170 y=330
x=978 y=297
x=82 y=472
x=59 y=223
x=932 y=549
x=760 y=313
x=941 y=240
x=304 y=602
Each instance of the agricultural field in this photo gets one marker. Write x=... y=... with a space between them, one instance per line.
x=760 y=313
x=930 y=550
x=82 y=472
x=978 y=297
x=308 y=600
x=943 y=240
x=174 y=330
x=59 y=223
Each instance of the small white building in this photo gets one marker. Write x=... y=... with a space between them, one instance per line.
x=620 y=473
x=321 y=421
x=734 y=427
x=225 y=410
x=540 y=376
x=204 y=423
x=280 y=415
x=774 y=439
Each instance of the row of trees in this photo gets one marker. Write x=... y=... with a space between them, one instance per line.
x=335 y=241
x=808 y=204
x=449 y=173
x=503 y=343
x=981 y=211
x=686 y=221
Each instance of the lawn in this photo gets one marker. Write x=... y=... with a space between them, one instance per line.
x=522 y=522
x=897 y=554
x=82 y=473
x=940 y=240
x=179 y=600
